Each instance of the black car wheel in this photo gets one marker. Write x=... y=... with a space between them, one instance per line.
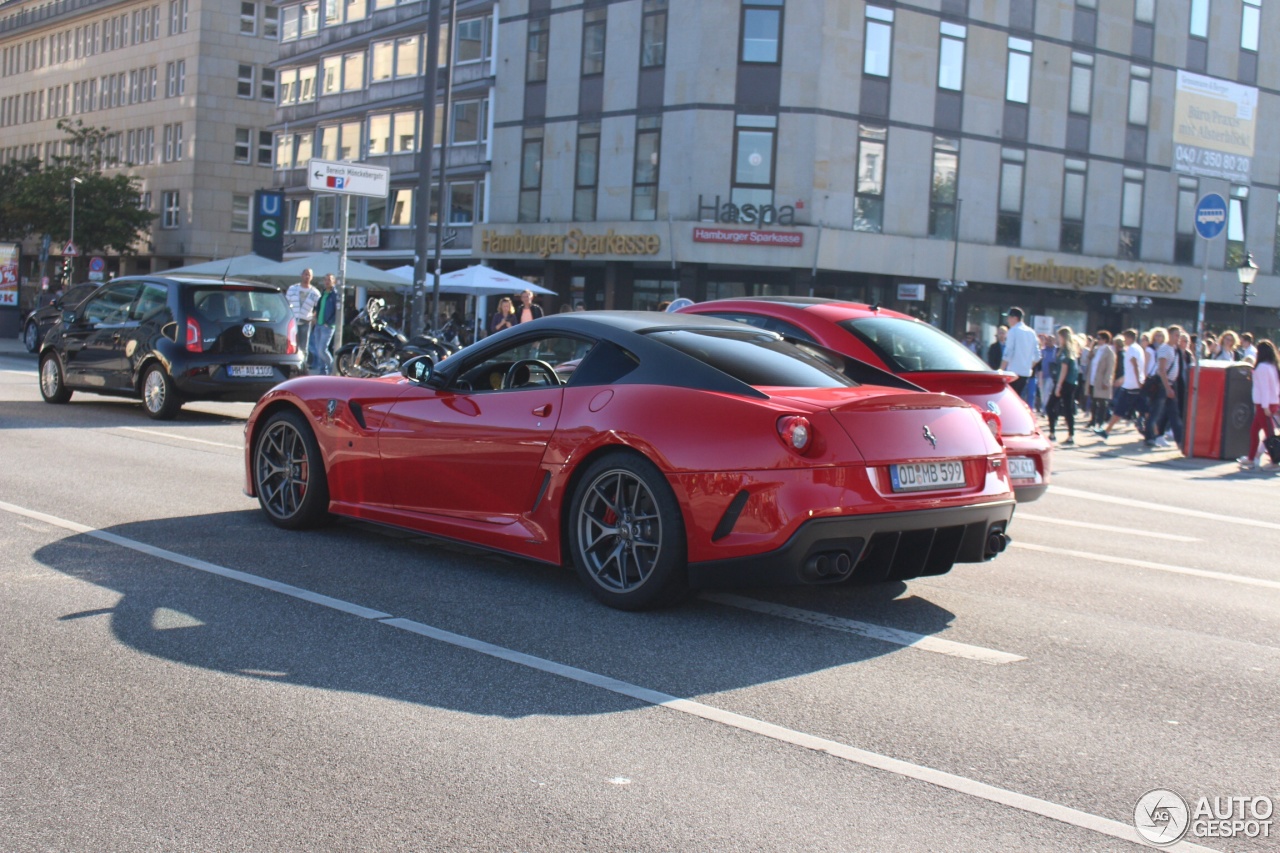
x=53 y=386
x=159 y=397
x=288 y=472
x=626 y=534
x=31 y=336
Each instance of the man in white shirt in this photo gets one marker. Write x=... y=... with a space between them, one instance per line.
x=1127 y=401
x=303 y=299
x=1021 y=350
x=1247 y=350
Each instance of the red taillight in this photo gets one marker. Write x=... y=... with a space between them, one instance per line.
x=292 y=346
x=993 y=423
x=796 y=432
x=194 y=341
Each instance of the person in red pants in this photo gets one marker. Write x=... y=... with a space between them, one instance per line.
x=1266 y=400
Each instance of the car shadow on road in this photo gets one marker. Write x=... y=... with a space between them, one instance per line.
x=98 y=413
x=181 y=614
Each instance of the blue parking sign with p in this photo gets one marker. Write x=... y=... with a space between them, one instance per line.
x=268 y=224
x=1211 y=216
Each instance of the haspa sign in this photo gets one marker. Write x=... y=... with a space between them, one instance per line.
x=728 y=213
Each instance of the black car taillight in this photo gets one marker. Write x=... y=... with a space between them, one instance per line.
x=194 y=342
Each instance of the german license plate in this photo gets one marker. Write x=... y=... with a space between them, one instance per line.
x=1022 y=468
x=919 y=476
x=256 y=370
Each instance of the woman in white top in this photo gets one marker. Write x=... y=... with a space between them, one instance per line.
x=1227 y=343
x=1266 y=400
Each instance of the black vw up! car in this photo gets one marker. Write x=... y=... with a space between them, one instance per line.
x=169 y=340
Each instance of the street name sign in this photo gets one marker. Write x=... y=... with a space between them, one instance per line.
x=328 y=176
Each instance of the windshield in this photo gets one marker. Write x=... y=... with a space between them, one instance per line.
x=757 y=358
x=907 y=346
x=227 y=305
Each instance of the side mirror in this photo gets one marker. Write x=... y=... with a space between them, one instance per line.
x=69 y=317
x=418 y=369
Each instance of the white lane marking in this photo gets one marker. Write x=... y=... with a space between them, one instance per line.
x=1128 y=531
x=182 y=437
x=898 y=637
x=1147 y=564
x=27 y=373
x=199 y=565
x=938 y=778
x=1055 y=489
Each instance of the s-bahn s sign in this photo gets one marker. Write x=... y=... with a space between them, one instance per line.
x=328 y=176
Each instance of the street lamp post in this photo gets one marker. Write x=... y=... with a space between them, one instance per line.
x=1247 y=271
x=950 y=288
x=70 y=265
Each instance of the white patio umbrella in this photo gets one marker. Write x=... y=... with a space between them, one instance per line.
x=241 y=266
x=324 y=263
x=481 y=282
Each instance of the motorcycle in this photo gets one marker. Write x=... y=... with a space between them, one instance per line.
x=381 y=348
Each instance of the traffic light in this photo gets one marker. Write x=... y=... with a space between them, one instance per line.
x=66 y=269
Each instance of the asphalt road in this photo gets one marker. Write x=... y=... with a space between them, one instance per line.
x=178 y=674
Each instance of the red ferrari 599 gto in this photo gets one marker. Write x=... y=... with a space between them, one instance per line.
x=655 y=452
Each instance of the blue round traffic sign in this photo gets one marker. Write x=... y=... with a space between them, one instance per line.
x=1211 y=216
x=97 y=264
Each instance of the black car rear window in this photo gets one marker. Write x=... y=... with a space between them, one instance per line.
x=907 y=346
x=756 y=358
x=236 y=305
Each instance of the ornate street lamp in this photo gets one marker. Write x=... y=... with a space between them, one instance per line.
x=70 y=261
x=1247 y=271
x=950 y=287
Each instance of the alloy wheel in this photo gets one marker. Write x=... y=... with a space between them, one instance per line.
x=50 y=378
x=619 y=531
x=154 y=391
x=282 y=469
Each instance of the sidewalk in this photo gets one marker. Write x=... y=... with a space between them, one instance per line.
x=14 y=347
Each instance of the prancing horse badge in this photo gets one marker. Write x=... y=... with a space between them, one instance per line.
x=928 y=436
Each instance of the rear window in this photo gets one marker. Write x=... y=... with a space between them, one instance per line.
x=907 y=346
x=757 y=358
x=225 y=305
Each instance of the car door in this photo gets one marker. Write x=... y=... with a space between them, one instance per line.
x=475 y=449
x=94 y=341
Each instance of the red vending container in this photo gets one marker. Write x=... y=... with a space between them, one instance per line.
x=1207 y=411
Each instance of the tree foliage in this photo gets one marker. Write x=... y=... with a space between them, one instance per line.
x=35 y=198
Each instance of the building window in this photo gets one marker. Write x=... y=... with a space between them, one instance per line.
x=178 y=12
x=289 y=86
x=284 y=151
x=1200 y=18
x=244 y=81
x=309 y=23
x=868 y=205
x=466 y=199
x=1139 y=94
x=264 y=148
x=268 y=90
x=1237 y=226
x=1131 y=215
x=535 y=69
x=170 y=201
x=393 y=59
x=951 y=57
x=1013 y=166
x=470 y=121
x=942 y=195
x=653 y=34
x=349 y=140
x=593 y=33
x=333 y=12
x=1249 y=23
x=401 y=208
x=172 y=143
x=878 y=45
x=1017 y=87
x=175 y=79
x=587 y=171
x=1184 y=242
x=303 y=150
x=644 y=193
x=1081 y=98
x=271 y=22
x=353 y=72
x=301 y=218
x=326 y=207
x=289 y=19
x=404 y=131
x=306 y=84
x=242 y=147
x=1073 y=184
x=472 y=44
x=1144 y=11
x=531 y=176
x=327 y=142
x=248 y=19
x=754 y=144
x=761 y=31
x=240 y=213
x=379 y=135
x=330 y=75
x=407 y=63
x=357 y=10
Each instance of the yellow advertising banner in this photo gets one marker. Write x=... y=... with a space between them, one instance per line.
x=9 y=274
x=1214 y=127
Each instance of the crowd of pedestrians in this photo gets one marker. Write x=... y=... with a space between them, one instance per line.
x=1135 y=378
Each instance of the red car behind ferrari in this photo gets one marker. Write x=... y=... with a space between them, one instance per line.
x=656 y=452
x=915 y=351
